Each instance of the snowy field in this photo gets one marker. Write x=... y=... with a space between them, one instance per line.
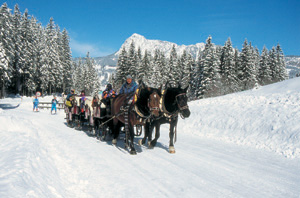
x=239 y=145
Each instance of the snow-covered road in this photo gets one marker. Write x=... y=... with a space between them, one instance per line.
x=41 y=157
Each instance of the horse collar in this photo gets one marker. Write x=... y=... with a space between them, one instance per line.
x=163 y=107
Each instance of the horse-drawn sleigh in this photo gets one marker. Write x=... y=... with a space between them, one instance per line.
x=150 y=107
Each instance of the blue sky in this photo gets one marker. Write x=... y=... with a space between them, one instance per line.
x=101 y=26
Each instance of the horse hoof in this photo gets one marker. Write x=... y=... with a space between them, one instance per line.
x=114 y=141
x=132 y=152
x=140 y=142
x=171 y=149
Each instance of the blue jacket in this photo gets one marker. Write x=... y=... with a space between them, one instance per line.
x=54 y=102
x=36 y=101
x=128 y=88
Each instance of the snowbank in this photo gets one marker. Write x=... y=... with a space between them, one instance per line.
x=267 y=117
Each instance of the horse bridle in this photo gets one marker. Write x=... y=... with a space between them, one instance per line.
x=148 y=104
x=181 y=107
x=153 y=108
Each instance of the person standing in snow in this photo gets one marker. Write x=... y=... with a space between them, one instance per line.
x=35 y=103
x=53 y=102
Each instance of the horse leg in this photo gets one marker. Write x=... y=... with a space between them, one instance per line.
x=131 y=134
x=143 y=141
x=116 y=131
x=171 y=135
x=157 y=135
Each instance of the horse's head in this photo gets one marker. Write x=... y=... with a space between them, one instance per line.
x=182 y=100
x=154 y=100
x=176 y=100
x=149 y=98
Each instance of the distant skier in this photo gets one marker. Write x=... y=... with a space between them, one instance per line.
x=35 y=103
x=53 y=102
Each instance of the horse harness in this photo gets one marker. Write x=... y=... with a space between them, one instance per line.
x=174 y=114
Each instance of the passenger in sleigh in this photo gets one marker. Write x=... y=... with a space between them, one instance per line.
x=107 y=95
x=95 y=102
x=70 y=99
x=82 y=101
x=129 y=87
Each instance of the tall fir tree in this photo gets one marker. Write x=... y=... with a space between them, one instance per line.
x=3 y=70
x=17 y=42
x=264 y=71
x=66 y=61
x=145 y=66
x=132 y=61
x=173 y=66
x=280 y=64
x=247 y=70
x=6 y=34
x=227 y=72
x=121 y=68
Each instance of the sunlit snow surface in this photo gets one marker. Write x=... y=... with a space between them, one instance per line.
x=240 y=145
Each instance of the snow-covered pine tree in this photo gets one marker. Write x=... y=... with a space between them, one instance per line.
x=156 y=75
x=78 y=79
x=281 y=67
x=197 y=88
x=139 y=58
x=237 y=68
x=163 y=69
x=186 y=65
x=121 y=68
x=132 y=60
x=193 y=80
x=90 y=76
x=66 y=61
x=60 y=66
x=53 y=57
x=3 y=70
x=211 y=76
x=6 y=39
x=228 y=75
x=27 y=56
x=264 y=72
x=247 y=70
x=273 y=65
x=144 y=70
x=15 y=62
x=174 y=68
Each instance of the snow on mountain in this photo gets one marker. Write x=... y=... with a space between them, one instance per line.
x=244 y=144
x=107 y=65
x=164 y=46
x=292 y=65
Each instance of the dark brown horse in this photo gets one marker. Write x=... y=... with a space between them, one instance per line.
x=144 y=107
x=173 y=103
